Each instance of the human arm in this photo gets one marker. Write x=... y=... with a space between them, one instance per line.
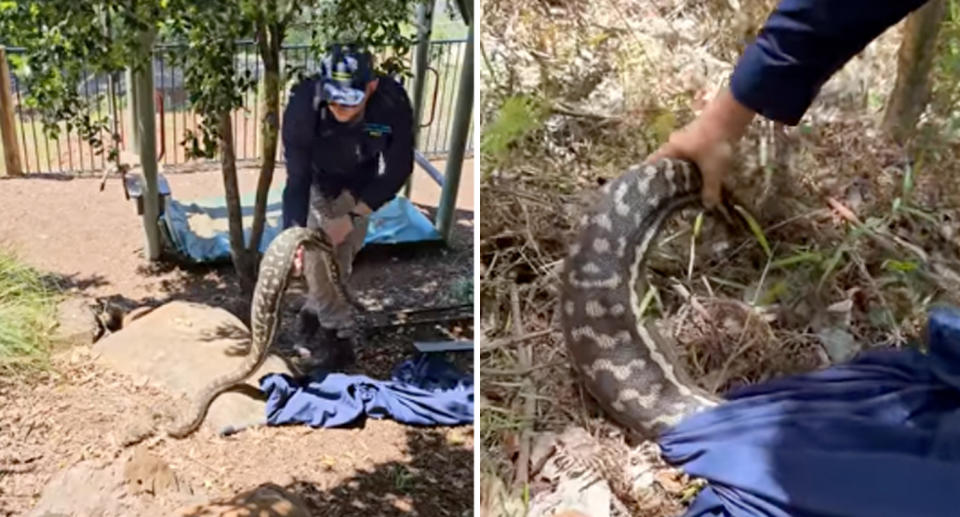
x=802 y=44
x=298 y=121
x=296 y=192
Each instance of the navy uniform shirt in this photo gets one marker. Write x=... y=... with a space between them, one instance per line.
x=803 y=43
x=334 y=156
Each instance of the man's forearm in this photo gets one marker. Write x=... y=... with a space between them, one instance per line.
x=802 y=44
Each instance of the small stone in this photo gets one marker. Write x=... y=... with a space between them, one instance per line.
x=838 y=343
x=145 y=472
x=77 y=324
x=841 y=306
x=135 y=432
x=79 y=354
x=403 y=505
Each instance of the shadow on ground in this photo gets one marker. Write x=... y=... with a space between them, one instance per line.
x=395 y=276
x=436 y=481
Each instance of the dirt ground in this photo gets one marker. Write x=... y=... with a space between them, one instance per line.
x=91 y=242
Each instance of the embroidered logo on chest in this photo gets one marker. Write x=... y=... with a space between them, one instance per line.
x=376 y=130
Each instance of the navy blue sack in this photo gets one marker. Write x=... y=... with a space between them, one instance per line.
x=424 y=391
x=877 y=436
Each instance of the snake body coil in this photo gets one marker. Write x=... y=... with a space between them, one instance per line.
x=272 y=282
x=633 y=374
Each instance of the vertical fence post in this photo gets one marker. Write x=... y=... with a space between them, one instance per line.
x=458 y=140
x=144 y=118
x=424 y=28
x=8 y=132
x=133 y=135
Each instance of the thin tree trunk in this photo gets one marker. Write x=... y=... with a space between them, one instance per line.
x=911 y=92
x=270 y=39
x=243 y=262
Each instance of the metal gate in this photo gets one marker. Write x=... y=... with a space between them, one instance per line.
x=69 y=154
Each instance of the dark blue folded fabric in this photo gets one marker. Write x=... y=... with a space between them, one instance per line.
x=877 y=436
x=426 y=390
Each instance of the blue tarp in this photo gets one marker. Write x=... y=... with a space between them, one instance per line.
x=426 y=390
x=198 y=229
x=878 y=436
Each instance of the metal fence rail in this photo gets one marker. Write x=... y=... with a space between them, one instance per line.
x=69 y=154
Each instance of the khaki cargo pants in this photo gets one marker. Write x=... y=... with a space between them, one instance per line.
x=323 y=306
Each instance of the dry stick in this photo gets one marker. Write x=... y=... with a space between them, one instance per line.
x=529 y=403
x=510 y=341
x=883 y=300
x=517 y=372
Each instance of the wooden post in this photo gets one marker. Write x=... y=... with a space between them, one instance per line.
x=132 y=142
x=144 y=115
x=8 y=132
x=458 y=140
x=424 y=27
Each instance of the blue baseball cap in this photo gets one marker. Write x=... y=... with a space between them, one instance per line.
x=344 y=73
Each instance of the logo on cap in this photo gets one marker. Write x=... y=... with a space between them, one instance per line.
x=345 y=72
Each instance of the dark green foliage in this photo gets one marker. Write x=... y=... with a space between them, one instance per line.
x=68 y=41
x=208 y=32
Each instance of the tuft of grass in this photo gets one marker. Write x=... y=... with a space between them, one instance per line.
x=462 y=290
x=28 y=306
x=516 y=118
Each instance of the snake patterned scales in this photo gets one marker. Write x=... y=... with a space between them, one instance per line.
x=272 y=281
x=632 y=372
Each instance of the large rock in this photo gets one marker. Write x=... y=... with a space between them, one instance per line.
x=182 y=346
x=132 y=486
x=84 y=489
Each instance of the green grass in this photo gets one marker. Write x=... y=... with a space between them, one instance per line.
x=27 y=315
x=462 y=290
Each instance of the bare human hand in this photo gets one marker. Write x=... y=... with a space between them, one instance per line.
x=709 y=141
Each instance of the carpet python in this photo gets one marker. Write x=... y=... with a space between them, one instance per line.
x=272 y=281
x=632 y=372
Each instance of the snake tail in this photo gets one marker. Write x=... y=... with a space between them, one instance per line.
x=272 y=280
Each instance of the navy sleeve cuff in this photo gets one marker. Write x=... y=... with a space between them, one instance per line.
x=802 y=44
x=776 y=93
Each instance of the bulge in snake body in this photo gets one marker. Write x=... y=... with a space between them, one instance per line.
x=642 y=388
x=268 y=295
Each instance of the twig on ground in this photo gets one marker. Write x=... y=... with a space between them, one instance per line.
x=561 y=109
x=517 y=372
x=515 y=340
x=898 y=333
x=527 y=392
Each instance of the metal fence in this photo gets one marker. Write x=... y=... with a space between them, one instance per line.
x=69 y=154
